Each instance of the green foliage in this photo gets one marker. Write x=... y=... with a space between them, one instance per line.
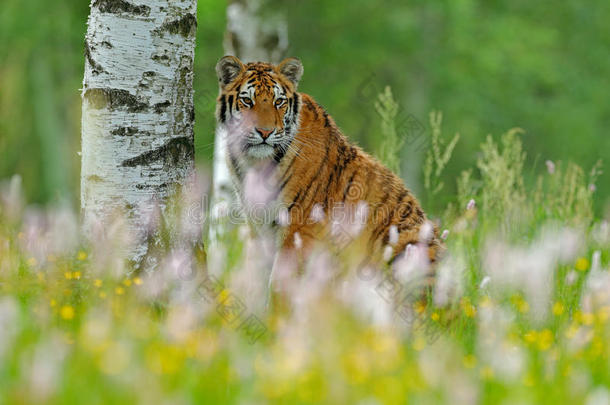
x=438 y=156
x=389 y=148
x=68 y=316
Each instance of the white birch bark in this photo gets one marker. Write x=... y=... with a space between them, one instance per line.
x=137 y=111
x=256 y=31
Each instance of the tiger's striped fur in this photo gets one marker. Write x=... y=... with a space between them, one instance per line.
x=314 y=170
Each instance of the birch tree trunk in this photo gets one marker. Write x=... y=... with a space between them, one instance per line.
x=137 y=111
x=256 y=31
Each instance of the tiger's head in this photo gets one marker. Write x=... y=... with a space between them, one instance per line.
x=258 y=106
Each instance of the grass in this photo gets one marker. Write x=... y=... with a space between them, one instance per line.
x=520 y=313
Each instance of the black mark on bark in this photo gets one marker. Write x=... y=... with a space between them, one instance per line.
x=185 y=26
x=121 y=6
x=125 y=131
x=97 y=68
x=174 y=151
x=160 y=107
x=114 y=99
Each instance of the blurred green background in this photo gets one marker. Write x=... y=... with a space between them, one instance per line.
x=487 y=65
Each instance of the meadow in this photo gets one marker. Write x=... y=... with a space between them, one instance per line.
x=520 y=313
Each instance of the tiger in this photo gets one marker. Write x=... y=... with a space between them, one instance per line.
x=316 y=174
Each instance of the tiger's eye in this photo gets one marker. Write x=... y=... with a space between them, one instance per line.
x=279 y=102
x=247 y=101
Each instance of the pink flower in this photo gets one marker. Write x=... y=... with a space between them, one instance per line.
x=445 y=234
x=550 y=166
x=471 y=205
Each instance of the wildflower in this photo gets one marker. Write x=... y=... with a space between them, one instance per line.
x=469 y=310
x=419 y=307
x=523 y=306
x=545 y=340
x=445 y=234
x=119 y=291
x=592 y=187
x=137 y=281
x=393 y=235
x=52 y=303
x=76 y=275
x=67 y=312
x=550 y=166
x=485 y=302
x=558 y=308
x=485 y=281
x=388 y=251
x=603 y=314
x=487 y=373
x=127 y=282
x=435 y=316
x=469 y=361
x=81 y=256
x=97 y=282
x=531 y=336
x=571 y=277
x=68 y=275
x=298 y=242
x=471 y=205
x=587 y=318
x=317 y=213
x=582 y=264
x=283 y=217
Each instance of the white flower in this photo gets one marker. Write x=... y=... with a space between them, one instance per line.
x=550 y=166
x=393 y=235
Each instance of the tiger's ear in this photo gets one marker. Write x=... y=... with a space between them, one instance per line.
x=227 y=69
x=292 y=68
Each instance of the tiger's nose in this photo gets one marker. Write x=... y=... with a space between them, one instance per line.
x=264 y=132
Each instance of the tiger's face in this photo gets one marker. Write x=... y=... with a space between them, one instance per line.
x=258 y=107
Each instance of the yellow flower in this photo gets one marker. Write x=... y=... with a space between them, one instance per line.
x=137 y=281
x=81 y=256
x=119 y=291
x=523 y=307
x=127 y=282
x=97 y=282
x=103 y=295
x=587 y=318
x=76 y=275
x=487 y=373
x=558 y=308
x=469 y=361
x=572 y=330
x=531 y=336
x=470 y=310
x=68 y=275
x=419 y=307
x=582 y=264
x=545 y=339
x=435 y=316
x=603 y=314
x=52 y=303
x=66 y=312
x=485 y=302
